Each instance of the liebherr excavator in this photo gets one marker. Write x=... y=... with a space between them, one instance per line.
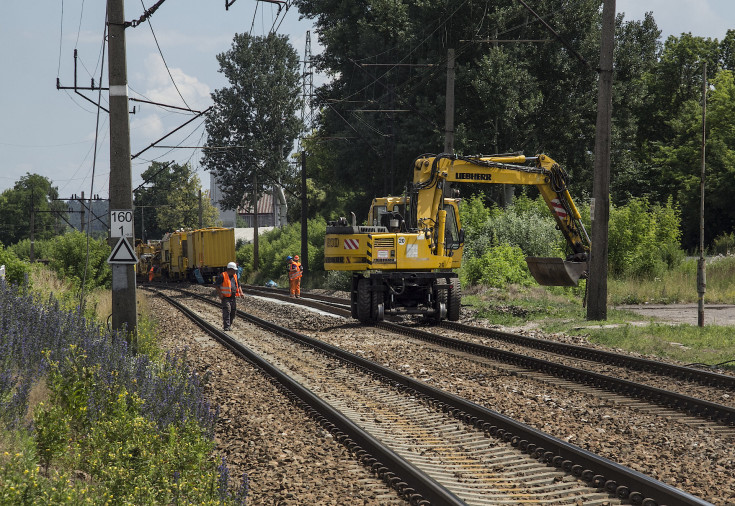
x=402 y=260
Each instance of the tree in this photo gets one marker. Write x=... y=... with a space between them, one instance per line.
x=161 y=179
x=182 y=207
x=170 y=200
x=31 y=192
x=679 y=161
x=672 y=82
x=510 y=94
x=253 y=123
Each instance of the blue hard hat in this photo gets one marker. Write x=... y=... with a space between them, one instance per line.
x=289 y=257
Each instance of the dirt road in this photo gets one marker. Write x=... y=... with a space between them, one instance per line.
x=714 y=314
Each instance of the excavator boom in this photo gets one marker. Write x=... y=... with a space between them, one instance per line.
x=402 y=260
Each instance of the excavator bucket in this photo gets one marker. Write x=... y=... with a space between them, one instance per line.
x=553 y=271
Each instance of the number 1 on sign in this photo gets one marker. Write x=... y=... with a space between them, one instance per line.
x=121 y=223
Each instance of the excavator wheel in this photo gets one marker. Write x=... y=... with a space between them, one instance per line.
x=454 y=300
x=442 y=299
x=378 y=310
x=364 y=301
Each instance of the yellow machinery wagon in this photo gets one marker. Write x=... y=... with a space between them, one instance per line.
x=210 y=250
x=205 y=251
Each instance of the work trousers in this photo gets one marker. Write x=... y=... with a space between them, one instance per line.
x=229 y=308
x=295 y=285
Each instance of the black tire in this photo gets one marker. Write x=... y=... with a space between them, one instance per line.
x=455 y=300
x=364 y=301
x=377 y=299
x=441 y=296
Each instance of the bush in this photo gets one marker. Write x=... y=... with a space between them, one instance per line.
x=15 y=269
x=338 y=280
x=527 y=224
x=278 y=243
x=138 y=431
x=643 y=239
x=498 y=267
x=724 y=244
x=41 y=249
x=68 y=254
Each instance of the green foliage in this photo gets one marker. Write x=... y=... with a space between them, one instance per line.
x=69 y=259
x=513 y=96
x=643 y=239
x=98 y=429
x=498 y=267
x=338 y=280
x=674 y=134
x=15 y=269
x=724 y=244
x=41 y=249
x=170 y=200
x=473 y=213
x=527 y=224
x=275 y=245
x=257 y=115
x=181 y=210
x=31 y=192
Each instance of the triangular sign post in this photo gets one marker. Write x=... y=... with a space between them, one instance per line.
x=122 y=253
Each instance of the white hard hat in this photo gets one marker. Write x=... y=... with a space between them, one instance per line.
x=232 y=265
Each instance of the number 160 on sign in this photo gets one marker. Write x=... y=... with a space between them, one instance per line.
x=121 y=223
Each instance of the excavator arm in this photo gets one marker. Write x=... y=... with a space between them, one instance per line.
x=432 y=173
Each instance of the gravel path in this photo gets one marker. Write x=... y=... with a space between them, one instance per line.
x=714 y=314
x=274 y=443
x=288 y=458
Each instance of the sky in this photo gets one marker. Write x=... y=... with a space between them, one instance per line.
x=52 y=132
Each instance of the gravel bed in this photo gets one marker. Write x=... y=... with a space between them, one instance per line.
x=711 y=394
x=287 y=458
x=697 y=460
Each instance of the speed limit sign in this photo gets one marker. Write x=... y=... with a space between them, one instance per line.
x=121 y=223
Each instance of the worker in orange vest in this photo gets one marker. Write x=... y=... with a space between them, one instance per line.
x=294 y=275
x=228 y=289
x=150 y=274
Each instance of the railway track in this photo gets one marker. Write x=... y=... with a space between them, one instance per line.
x=685 y=408
x=488 y=439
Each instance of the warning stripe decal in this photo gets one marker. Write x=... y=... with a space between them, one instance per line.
x=351 y=243
x=559 y=209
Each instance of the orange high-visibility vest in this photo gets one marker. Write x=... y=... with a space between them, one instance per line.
x=294 y=270
x=226 y=287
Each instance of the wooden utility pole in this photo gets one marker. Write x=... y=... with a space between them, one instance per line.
x=701 y=265
x=33 y=225
x=449 y=116
x=304 y=223
x=597 y=279
x=201 y=210
x=124 y=313
x=81 y=220
x=256 y=249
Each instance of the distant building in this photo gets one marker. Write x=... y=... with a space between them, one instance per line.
x=271 y=208
x=229 y=216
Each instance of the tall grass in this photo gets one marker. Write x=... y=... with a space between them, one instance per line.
x=75 y=398
x=678 y=285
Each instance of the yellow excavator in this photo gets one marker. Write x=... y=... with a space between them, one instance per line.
x=402 y=260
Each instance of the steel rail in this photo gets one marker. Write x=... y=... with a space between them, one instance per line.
x=691 y=374
x=411 y=483
x=693 y=406
x=703 y=377
x=724 y=415
x=600 y=472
